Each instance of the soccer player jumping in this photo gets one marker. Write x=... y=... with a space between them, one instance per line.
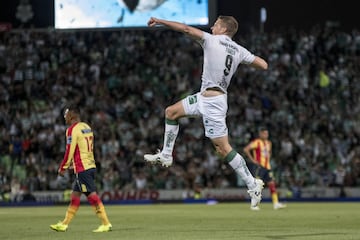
x=222 y=56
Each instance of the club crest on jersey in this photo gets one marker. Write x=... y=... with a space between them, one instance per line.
x=84 y=131
x=68 y=141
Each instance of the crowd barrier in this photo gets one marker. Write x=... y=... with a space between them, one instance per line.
x=182 y=196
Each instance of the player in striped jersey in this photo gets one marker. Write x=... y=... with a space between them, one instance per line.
x=259 y=152
x=79 y=157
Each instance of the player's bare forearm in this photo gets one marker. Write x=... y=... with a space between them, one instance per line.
x=259 y=63
x=176 y=26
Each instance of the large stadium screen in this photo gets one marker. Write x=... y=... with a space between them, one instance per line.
x=86 y=14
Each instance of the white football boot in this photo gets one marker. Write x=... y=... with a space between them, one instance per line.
x=255 y=194
x=279 y=206
x=165 y=161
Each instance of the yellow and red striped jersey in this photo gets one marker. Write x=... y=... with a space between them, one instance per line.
x=261 y=150
x=79 y=148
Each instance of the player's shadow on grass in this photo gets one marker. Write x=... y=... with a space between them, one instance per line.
x=295 y=236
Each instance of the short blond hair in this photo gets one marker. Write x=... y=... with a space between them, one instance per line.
x=230 y=23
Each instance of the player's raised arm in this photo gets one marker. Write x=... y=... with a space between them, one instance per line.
x=259 y=63
x=177 y=26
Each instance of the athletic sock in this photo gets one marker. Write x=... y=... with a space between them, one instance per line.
x=170 y=135
x=99 y=208
x=275 y=199
x=273 y=192
x=237 y=162
x=72 y=209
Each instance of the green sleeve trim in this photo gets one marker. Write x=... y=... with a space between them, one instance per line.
x=230 y=156
x=171 y=122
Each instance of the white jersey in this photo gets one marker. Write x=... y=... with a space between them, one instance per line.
x=222 y=57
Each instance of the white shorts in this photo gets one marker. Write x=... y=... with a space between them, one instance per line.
x=213 y=111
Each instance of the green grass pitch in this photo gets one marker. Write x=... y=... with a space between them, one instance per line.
x=308 y=221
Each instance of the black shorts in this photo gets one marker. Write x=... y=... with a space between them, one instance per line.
x=85 y=181
x=260 y=172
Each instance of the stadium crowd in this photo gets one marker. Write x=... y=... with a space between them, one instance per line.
x=309 y=99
